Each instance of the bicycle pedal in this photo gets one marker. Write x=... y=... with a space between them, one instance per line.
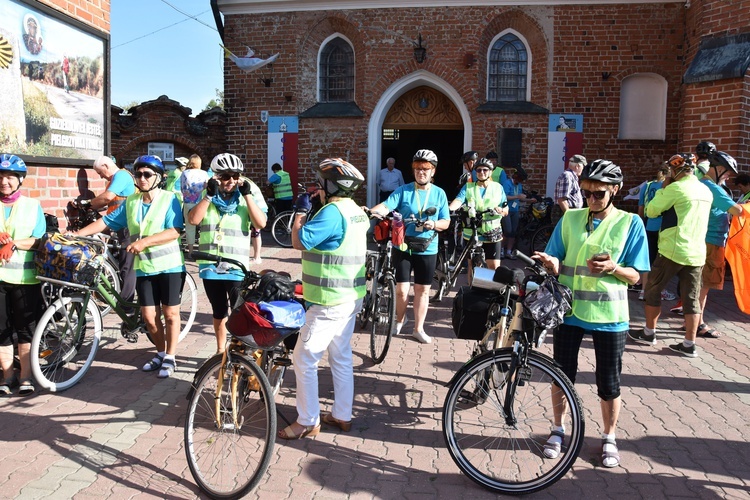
x=524 y=374
x=282 y=362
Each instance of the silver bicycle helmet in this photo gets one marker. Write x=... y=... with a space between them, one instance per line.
x=426 y=155
x=226 y=162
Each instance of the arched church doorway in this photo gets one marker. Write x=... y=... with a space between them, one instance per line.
x=424 y=118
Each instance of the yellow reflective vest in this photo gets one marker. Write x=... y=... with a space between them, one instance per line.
x=20 y=269
x=158 y=258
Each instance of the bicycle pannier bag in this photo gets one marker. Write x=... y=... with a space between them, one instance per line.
x=469 y=315
x=382 y=231
x=67 y=259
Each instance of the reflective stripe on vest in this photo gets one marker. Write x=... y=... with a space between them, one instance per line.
x=283 y=190
x=492 y=196
x=333 y=277
x=597 y=297
x=20 y=269
x=234 y=229
x=158 y=258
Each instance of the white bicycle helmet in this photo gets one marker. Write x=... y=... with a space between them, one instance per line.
x=426 y=155
x=226 y=162
x=181 y=161
x=338 y=177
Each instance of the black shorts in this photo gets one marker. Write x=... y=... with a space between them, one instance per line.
x=608 y=349
x=221 y=294
x=493 y=251
x=20 y=310
x=422 y=265
x=160 y=289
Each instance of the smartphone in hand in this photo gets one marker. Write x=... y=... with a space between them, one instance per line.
x=600 y=256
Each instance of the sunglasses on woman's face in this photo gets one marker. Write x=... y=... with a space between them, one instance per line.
x=598 y=195
x=485 y=170
x=144 y=175
x=226 y=177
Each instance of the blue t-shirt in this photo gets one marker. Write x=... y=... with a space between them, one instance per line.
x=325 y=231
x=122 y=184
x=513 y=189
x=118 y=219
x=718 y=220
x=408 y=201
x=646 y=195
x=635 y=255
x=41 y=224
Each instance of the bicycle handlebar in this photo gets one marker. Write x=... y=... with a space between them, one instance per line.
x=535 y=265
x=198 y=255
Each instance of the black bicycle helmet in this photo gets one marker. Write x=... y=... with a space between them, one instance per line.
x=338 y=177
x=602 y=171
x=150 y=161
x=226 y=162
x=469 y=155
x=704 y=149
x=426 y=155
x=720 y=158
x=491 y=155
x=484 y=162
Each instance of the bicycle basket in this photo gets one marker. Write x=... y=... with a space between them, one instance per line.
x=265 y=324
x=549 y=303
x=67 y=259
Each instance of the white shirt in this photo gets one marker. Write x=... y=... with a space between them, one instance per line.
x=390 y=179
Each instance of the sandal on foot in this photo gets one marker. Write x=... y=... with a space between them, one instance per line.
x=154 y=364
x=610 y=458
x=707 y=332
x=307 y=431
x=6 y=388
x=168 y=366
x=329 y=419
x=552 y=448
x=26 y=388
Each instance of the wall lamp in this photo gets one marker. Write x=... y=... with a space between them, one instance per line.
x=420 y=53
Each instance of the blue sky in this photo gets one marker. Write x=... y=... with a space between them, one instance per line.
x=183 y=61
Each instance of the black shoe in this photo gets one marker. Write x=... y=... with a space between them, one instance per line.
x=641 y=337
x=690 y=352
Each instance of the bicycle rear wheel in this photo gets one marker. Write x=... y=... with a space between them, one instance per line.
x=188 y=305
x=383 y=317
x=109 y=273
x=541 y=238
x=228 y=455
x=502 y=457
x=441 y=276
x=370 y=271
x=281 y=230
x=65 y=342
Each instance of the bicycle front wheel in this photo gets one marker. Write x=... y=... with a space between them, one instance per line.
x=502 y=456
x=188 y=305
x=383 y=317
x=281 y=230
x=230 y=434
x=65 y=342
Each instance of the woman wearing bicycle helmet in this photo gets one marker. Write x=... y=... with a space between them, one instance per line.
x=21 y=223
x=333 y=244
x=226 y=215
x=413 y=199
x=597 y=251
x=154 y=218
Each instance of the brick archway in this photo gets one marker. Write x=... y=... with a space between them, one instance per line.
x=387 y=99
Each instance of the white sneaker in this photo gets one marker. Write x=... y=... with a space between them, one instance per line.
x=421 y=336
x=400 y=325
x=640 y=295
x=258 y=261
x=667 y=295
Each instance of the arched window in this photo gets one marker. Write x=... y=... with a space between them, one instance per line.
x=643 y=107
x=507 y=69
x=336 y=71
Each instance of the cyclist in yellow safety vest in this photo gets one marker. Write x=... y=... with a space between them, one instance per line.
x=21 y=223
x=485 y=194
x=597 y=251
x=333 y=244
x=225 y=215
x=154 y=218
x=282 y=188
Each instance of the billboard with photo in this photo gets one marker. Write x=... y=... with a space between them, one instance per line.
x=54 y=76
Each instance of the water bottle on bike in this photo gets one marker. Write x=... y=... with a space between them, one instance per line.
x=398 y=230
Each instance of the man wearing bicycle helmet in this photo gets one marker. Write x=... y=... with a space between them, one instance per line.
x=684 y=204
x=704 y=151
x=21 y=223
x=597 y=251
x=333 y=244
x=154 y=218
x=722 y=206
x=413 y=199
x=468 y=159
x=226 y=215
x=498 y=174
x=484 y=194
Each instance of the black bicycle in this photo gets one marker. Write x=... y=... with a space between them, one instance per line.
x=535 y=226
x=379 y=303
x=447 y=271
x=499 y=408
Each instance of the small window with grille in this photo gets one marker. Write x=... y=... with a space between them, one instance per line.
x=336 y=71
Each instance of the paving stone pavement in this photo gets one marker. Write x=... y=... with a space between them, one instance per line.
x=119 y=432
